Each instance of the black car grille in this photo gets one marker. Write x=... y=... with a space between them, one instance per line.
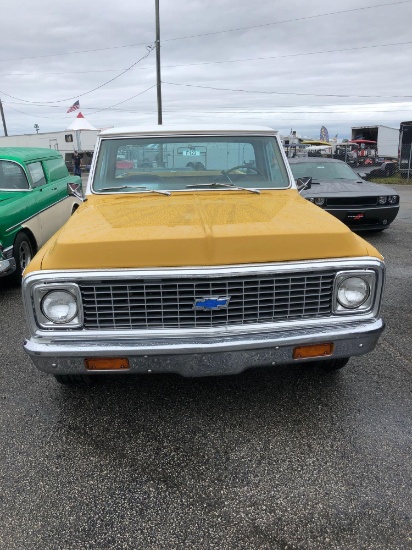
x=351 y=202
x=169 y=302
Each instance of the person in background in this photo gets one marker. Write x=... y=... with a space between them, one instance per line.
x=76 y=162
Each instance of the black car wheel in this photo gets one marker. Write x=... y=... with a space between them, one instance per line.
x=22 y=253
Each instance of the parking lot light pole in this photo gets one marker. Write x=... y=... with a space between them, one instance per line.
x=158 y=79
x=3 y=119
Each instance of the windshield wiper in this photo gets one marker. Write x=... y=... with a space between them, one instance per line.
x=218 y=184
x=135 y=187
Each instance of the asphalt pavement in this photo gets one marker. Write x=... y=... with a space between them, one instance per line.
x=275 y=458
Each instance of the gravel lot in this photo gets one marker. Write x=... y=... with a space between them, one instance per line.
x=281 y=458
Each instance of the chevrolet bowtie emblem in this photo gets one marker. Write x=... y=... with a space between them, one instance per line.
x=211 y=303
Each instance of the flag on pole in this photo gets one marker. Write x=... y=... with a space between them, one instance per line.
x=76 y=105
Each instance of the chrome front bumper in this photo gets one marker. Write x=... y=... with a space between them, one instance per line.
x=204 y=356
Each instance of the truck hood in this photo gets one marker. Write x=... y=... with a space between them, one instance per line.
x=197 y=229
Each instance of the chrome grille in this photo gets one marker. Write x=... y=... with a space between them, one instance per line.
x=168 y=302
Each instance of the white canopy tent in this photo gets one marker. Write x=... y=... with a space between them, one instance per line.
x=80 y=123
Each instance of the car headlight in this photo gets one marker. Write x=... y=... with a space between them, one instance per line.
x=320 y=201
x=310 y=199
x=59 y=306
x=354 y=291
x=393 y=199
x=382 y=200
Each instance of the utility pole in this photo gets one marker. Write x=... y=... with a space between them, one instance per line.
x=158 y=80
x=3 y=119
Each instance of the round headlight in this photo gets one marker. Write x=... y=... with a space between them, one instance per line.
x=320 y=201
x=353 y=292
x=393 y=199
x=382 y=200
x=59 y=306
x=310 y=199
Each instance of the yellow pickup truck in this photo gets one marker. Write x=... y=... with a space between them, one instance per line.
x=194 y=253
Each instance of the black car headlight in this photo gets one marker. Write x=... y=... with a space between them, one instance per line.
x=320 y=201
x=382 y=200
x=393 y=199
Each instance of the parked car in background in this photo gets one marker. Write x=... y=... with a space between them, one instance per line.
x=205 y=262
x=37 y=196
x=335 y=187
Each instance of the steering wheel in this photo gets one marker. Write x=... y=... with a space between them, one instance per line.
x=244 y=166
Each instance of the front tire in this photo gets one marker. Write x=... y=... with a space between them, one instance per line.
x=22 y=253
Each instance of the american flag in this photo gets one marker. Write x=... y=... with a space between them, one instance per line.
x=76 y=105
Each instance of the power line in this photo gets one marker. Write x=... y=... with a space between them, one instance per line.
x=65 y=72
x=286 y=55
x=224 y=115
x=75 y=52
x=87 y=109
x=229 y=111
x=283 y=93
x=90 y=91
x=288 y=20
x=120 y=102
x=301 y=54
x=29 y=114
x=226 y=112
x=210 y=33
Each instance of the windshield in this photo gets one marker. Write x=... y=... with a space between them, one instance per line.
x=130 y=165
x=323 y=171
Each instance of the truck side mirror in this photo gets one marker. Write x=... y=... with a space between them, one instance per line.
x=304 y=183
x=75 y=190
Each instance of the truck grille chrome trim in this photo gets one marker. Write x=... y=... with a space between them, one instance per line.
x=167 y=303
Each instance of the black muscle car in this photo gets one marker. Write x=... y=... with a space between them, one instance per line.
x=335 y=187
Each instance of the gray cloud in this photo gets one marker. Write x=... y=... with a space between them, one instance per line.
x=43 y=33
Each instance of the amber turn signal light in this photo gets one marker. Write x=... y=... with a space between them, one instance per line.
x=107 y=363
x=313 y=350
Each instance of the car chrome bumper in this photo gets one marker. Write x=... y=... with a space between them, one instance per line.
x=197 y=356
x=7 y=267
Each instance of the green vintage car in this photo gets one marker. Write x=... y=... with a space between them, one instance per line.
x=37 y=196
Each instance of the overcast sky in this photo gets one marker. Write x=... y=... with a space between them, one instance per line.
x=271 y=62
